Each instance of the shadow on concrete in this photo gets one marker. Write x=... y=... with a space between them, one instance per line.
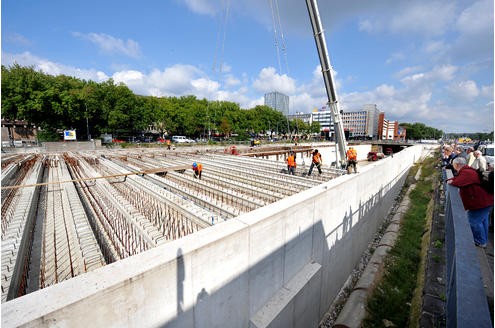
x=256 y=288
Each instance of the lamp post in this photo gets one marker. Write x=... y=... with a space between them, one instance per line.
x=87 y=122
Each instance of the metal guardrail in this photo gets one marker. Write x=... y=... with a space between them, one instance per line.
x=466 y=304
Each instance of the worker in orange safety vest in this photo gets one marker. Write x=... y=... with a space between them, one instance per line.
x=291 y=163
x=351 y=160
x=316 y=161
x=197 y=168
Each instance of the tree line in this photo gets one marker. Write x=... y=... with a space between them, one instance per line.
x=55 y=103
x=418 y=131
x=61 y=102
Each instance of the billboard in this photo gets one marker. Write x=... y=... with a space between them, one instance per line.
x=70 y=135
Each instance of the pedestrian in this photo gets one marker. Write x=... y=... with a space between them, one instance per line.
x=351 y=160
x=459 y=152
x=447 y=157
x=198 y=169
x=291 y=163
x=470 y=158
x=168 y=144
x=479 y=163
x=316 y=161
x=477 y=202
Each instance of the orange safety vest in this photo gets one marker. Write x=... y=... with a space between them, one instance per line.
x=291 y=161
x=351 y=154
x=317 y=158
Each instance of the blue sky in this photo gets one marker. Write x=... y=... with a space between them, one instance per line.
x=428 y=61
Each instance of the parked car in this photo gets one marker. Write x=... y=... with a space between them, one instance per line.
x=180 y=139
x=374 y=156
x=487 y=151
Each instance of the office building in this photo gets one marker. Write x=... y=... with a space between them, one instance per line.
x=277 y=101
x=390 y=130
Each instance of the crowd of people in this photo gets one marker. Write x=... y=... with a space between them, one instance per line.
x=469 y=167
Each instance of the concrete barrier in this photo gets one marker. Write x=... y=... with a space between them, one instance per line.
x=291 y=257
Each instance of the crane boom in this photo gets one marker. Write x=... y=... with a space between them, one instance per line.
x=326 y=70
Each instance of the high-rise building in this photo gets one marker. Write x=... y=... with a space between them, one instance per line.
x=277 y=101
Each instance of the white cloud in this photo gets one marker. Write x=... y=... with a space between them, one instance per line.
x=464 y=90
x=366 y=25
x=395 y=57
x=204 y=7
x=443 y=72
x=475 y=28
x=52 y=68
x=385 y=90
x=18 y=39
x=231 y=81
x=268 y=80
x=205 y=87
x=128 y=77
x=408 y=70
x=111 y=45
x=427 y=18
x=476 y=18
x=435 y=47
x=487 y=91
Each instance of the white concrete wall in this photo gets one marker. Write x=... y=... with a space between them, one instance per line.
x=278 y=266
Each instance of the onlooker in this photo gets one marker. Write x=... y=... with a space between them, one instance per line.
x=291 y=163
x=459 y=152
x=448 y=157
x=351 y=160
x=470 y=157
x=479 y=163
x=198 y=169
x=477 y=202
x=316 y=161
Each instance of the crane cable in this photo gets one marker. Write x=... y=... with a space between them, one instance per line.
x=217 y=68
x=278 y=35
x=221 y=36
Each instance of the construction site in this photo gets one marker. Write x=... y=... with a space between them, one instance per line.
x=67 y=213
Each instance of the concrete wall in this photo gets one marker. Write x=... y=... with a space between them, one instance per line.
x=278 y=266
x=72 y=145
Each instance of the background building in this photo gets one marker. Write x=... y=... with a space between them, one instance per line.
x=18 y=133
x=306 y=118
x=390 y=130
x=324 y=117
x=362 y=124
x=278 y=101
x=368 y=123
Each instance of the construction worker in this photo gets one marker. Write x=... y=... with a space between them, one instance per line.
x=316 y=161
x=291 y=163
x=351 y=160
x=197 y=168
x=168 y=144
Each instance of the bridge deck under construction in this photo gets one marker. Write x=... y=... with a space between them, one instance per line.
x=64 y=214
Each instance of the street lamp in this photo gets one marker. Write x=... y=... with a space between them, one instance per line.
x=87 y=122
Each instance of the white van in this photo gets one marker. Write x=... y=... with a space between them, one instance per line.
x=181 y=139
